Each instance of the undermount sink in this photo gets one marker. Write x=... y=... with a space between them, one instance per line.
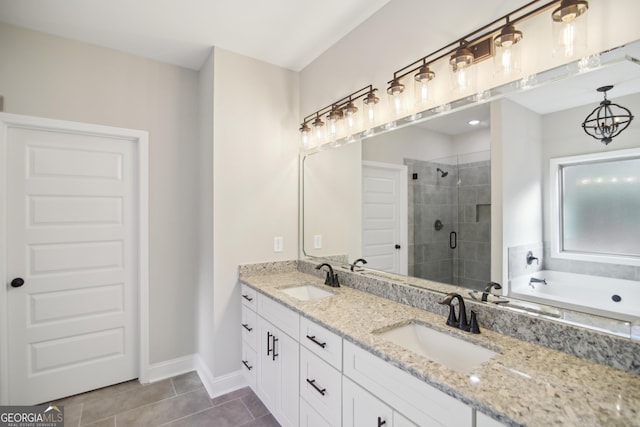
x=452 y=352
x=306 y=292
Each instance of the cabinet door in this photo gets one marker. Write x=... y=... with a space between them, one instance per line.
x=287 y=359
x=266 y=374
x=278 y=372
x=400 y=421
x=361 y=409
x=310 y=418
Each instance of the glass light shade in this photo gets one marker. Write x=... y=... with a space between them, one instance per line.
x=305 y=136
x=463 y=74
x=318 y=131
x=507 y=60
x=397 y=103
x=351 y=119
x=421 y=86
x=335 y=124
x=570 y=28
x=370 y=115
x=463 y=80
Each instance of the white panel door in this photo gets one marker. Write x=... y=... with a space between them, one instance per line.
x=384 y=217
x=71 y=237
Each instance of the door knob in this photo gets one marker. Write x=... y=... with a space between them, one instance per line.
x=17 y=282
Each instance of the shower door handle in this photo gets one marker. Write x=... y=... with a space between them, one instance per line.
x=453 y=240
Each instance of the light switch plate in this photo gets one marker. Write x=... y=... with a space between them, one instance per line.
x=317 y=241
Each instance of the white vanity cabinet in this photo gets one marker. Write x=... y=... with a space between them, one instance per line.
x=278 y=360
x=404 y=394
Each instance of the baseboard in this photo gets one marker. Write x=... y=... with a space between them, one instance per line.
x=171 y=368
x=217 y=386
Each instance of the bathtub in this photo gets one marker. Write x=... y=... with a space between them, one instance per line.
x=591 y=294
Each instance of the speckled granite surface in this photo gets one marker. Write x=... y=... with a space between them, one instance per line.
x=525 y=384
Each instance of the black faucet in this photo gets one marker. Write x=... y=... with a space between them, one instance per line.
x=362 y=260
x=331 y=278
x=487 y=289
x=460 y=321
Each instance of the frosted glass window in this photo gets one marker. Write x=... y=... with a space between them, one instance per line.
x=600 y=207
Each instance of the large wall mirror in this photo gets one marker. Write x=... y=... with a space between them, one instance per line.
x=415 y=199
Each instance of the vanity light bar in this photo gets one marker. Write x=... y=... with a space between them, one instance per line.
x=338 y=110
x=480 y=43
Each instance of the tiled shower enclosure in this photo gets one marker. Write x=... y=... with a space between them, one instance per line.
x=450 y=219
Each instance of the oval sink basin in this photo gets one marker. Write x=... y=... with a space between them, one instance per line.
x=306 y=292
x=452 y=352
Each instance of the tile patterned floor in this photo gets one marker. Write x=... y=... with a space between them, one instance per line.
x=180 y=401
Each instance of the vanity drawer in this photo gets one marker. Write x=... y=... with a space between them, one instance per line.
x=249 y=327
x=249 y=364
x=309 y=417
x=321 y=342
x=320 y=386
x=279 y=315
x=421 y=403
x=248 y=296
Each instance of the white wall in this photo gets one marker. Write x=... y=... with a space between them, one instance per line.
x=205 y=308
x=411 y=142
x=333 y=202
x=47 y=76
x=255 y=184
x=517 y=150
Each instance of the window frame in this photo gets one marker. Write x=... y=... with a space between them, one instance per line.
x=555 y=186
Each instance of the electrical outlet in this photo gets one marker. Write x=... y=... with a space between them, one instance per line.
x=317 y=241
x=278 y=244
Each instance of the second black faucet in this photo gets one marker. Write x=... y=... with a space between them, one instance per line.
x=460 y=321
x=331 y=278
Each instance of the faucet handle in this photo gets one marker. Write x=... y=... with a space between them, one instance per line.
x=452 y=320
x=531 y=258
x=474 y=328
x=328 y=279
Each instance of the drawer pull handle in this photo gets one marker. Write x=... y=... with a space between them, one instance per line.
x=381 y=422
x=247 y=297
x=246 y=326
x=246 y=365
x=315 y=341
x=268 y=343
x=322 y=391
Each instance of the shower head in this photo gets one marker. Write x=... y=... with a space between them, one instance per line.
x=442 y=173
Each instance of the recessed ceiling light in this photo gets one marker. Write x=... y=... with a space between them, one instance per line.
x=474 y=122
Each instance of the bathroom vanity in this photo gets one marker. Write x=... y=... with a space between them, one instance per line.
x=324 y=356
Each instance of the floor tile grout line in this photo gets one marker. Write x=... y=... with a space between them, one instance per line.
x=248 y=410
x=159 y=401
x=173 y=386
x=187 y=416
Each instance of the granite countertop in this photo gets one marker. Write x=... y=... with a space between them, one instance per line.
x=525 y=384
